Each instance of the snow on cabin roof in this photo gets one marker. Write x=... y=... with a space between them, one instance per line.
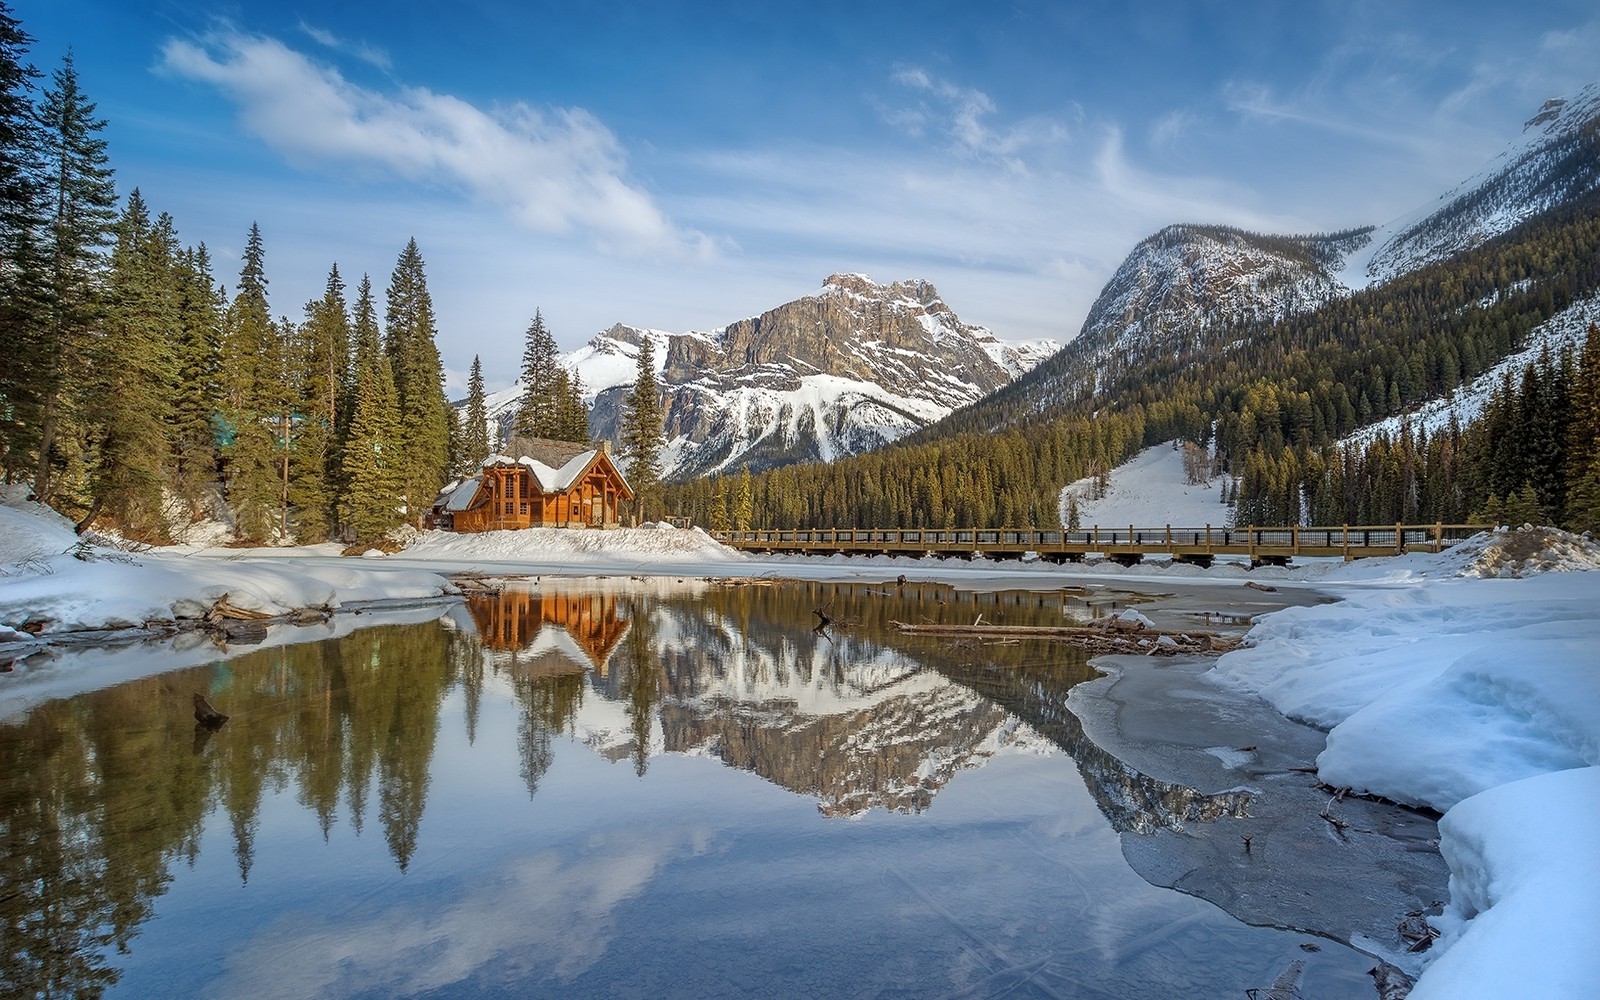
x=555 y=480
x=462 y=496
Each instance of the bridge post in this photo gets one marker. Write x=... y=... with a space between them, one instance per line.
x=1438 y=536
x=1294 y=538
x=1399 y=539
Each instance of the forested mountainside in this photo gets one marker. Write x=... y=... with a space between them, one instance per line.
x=1271 y=350
x=1273 y=397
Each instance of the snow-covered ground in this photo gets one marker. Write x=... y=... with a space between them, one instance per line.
x=1149 y=491
x=1467 y=681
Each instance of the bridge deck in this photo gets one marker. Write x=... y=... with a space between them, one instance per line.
x=1129 y=544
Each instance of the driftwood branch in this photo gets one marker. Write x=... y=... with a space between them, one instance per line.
x=205 y=714
x=1109 y=638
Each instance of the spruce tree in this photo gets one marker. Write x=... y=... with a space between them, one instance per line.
x=744 y=504
x=538 y=410
x=1583 y=440
x=572 y=416
x=425 y=414
x=22 y=271
x=128 y=383
x=475 y=435
x=251 y=391
x=81 y=199
x=372 y=475
x=642 y=433
x=194 y=343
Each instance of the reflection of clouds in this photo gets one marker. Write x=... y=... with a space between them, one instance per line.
x=548 y=905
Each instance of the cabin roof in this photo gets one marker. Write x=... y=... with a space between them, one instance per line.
x=460 y=497
x=555 y=465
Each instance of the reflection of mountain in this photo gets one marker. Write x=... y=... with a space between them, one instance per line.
x=835 y=717
x=1131 y=800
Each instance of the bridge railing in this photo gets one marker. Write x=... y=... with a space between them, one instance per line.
x=1290 y=540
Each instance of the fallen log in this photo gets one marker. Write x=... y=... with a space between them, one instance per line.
x=223 y=609
x=1098 y=638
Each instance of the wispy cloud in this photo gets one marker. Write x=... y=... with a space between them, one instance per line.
x=554 y=171
x=361 y=50
x=966 y=115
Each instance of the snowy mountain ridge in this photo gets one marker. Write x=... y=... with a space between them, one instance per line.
x=849 y=368
x=1188 y=279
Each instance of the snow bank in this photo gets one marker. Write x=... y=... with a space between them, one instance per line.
x=1524 y=892
x=54 y=582
x=648 y=544
x=1474 y=687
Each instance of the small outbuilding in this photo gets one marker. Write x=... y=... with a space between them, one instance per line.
x=539 y=483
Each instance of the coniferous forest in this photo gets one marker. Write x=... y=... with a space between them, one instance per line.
x=135 y=380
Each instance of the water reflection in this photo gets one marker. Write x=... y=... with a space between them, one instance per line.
x=107 y=797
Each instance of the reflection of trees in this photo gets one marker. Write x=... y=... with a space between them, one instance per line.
x=102 y=793
x=548 y=706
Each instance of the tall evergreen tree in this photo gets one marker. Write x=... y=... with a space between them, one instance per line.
x=128 y=382
x=475 y=435
x=642 y=433
x=81 y=214
x=252 y=366
x=323 y=368
x=425 y=414
x=22 y=273
x=538 y=410
x=373 y=473
x=1583 y=441
x=572 y=416
x=194 y=347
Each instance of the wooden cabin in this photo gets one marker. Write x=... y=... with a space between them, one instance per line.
x=555 y=484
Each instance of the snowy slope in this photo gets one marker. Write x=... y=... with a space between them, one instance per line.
x=1148 y=491
x=1555 y=160
x=1565 y=329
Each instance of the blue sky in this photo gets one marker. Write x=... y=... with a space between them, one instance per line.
x=684 y=165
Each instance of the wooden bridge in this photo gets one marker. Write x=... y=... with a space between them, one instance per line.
x=1263 y=546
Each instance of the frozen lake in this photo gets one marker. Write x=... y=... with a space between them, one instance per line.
x=615 y=789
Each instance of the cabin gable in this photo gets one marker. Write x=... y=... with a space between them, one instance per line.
x=526 y=492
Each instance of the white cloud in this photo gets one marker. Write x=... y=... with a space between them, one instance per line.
x=558 y=171
x=361 y=50
x=965 y=114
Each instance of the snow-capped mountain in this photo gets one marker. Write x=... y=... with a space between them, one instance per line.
x=1187 y=283
x=1186 y=279
x=839 y=372
x=1555 y=160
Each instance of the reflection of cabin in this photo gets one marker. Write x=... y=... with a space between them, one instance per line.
x=585 y=628
x=549 y=483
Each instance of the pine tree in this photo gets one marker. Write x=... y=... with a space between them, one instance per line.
x=1583 y=440
x=744 y=505
x=194 y=346
x=372 y=474
x=538 y=411
x=23 y=300
x=641 y=433
x=81 y=214
x=475 y=436
x=425 y=415
x=718 y=514
x=572 y=423
x=251 y=391
x=326 y=373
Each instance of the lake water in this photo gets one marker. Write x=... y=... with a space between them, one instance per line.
x=613 y=789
